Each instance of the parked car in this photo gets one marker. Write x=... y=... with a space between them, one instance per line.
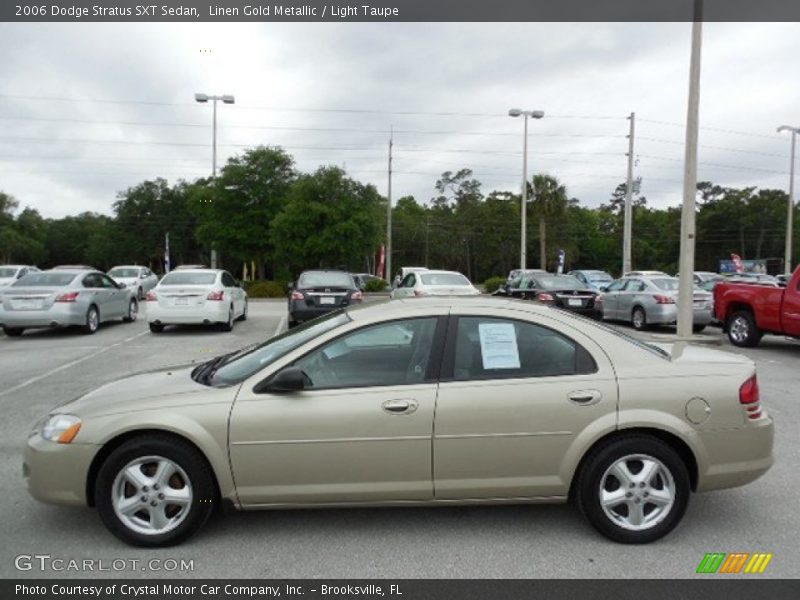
x=362 y=279
x=196 y=297
x=404 y=271
x=748 y=311
x=563 y=291
x=761 y=278
x=189 y=267
x=10 y=273
x=434 y=283
x=645 y=274
x=436 y=401
x=140 y=279
x=518 y=282
x=702 y=277
x=319 y=292
x=62 y=298
x=646 y=301
x=593 y=279
x=73 y=268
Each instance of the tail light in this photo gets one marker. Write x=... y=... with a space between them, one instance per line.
x=151 y=297
x=598 y=299
x=356 y=296
x=750 y=398
x=544 y=297
x=68 y=297
x=297 y=296
x=216 y=295
x=419 y=293
x=663 y=299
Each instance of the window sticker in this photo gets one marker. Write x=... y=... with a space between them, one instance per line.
x=499 y=346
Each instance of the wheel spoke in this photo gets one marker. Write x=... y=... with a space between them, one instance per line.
x=649 y=469
x=635 y=513
x=623 y=474
x=135 y=476
x=164 y=471
x=158 y=518
x=611 y=499
x=180 y=497
x=660 y=497
x=129 y=506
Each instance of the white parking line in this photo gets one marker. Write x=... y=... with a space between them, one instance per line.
x=68 y=365
x=280 y=326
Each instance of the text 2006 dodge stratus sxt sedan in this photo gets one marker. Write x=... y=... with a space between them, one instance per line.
x=484 y=400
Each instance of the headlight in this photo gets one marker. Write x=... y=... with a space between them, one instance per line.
x=61 y=428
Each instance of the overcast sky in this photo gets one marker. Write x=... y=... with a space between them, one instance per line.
x=89 y=109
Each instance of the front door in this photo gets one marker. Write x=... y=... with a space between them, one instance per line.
x=359 y=432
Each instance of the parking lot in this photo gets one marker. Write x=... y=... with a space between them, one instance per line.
x=45 y=368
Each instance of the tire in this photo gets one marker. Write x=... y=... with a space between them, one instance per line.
x=92 y=323
x=228 y=325
x=188 y=480
x=133 y=311
x=698 y=328
x=13 y=331
x=291 y=323
x=639 y=319
x=617 y=521
x=743 y=331
x=244 y=314
x=140 y=294
x=156 y=327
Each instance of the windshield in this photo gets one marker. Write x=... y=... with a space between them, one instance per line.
x=186 y=278
x=252 y=359
x=124 y=272
x=45 y=280
x=444 y=279
x=600 y=277
x=561 y=283
x=325 y=279
x=7 y=272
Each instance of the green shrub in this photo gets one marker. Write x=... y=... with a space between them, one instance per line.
x=266 y=289
x=375 y=285
x=491 y=284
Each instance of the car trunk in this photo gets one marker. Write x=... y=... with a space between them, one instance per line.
x=326 y=296
x=30 y=298
x=572 y=299
x=182 y=296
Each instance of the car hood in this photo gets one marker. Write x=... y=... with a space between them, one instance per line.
x=6 y=281
x=163 y=388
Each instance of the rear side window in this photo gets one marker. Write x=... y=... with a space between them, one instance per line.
x=444 y=279
x=45 y=279
x=494 y=348
x=322 y=279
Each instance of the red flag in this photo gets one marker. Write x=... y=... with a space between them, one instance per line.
x=381 y=261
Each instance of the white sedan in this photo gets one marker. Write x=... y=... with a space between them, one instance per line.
x=140 y=279
x=434 y=283
x=196 y=297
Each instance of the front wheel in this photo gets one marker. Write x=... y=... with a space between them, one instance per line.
x=634 y=489
x=244 y=313
x=228 y=325
x=155 y=491
x=698 y=328
x=133 y=311
x=13 y=331
x=92 y=322
x=743 y=331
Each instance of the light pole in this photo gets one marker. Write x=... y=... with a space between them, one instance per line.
x=226 y=99
x=790 y=211
x=535 y=114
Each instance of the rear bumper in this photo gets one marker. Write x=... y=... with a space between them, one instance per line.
x=738 y=457
x=667 y=314
x=61 y=314
x=210 y=312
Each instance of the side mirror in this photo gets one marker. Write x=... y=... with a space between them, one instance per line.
x=291 y=379
x=122 y=286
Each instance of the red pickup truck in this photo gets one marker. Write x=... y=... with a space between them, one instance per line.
x=749 y=310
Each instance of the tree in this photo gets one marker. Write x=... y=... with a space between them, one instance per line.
x=329 y=220
x=549 y=202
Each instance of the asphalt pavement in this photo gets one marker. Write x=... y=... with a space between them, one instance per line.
x=43 y=369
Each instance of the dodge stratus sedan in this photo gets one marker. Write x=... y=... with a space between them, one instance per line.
x=425 y=402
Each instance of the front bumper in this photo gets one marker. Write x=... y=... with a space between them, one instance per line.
x=210 y=312
x=61 y=314
x=737 y=457
x=57 y=473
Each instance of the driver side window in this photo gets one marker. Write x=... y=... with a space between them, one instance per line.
x=395 y=353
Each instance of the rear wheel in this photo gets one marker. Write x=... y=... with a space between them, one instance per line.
x=92 y=320
x=155 y=491
x=140 y=293
x=743 y=331
x=698 y=328
x=639 y=319
x=228 y=325
x=133 y=311
x=13 y=331
x=244 y=313
x=156 y=327
x=634 y=489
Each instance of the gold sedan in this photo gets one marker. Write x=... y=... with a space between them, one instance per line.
x=413 y=402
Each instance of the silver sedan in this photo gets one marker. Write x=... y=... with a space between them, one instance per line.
x=60 y=298
x=645 y=301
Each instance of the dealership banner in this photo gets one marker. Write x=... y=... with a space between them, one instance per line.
x=401 y=589
x=398 y=10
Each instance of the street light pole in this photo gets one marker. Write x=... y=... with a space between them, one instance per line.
x=388 y=250
x=226 y=99
x=686 y=282
x=627 y=265
x=790 y=209
x=535 y=114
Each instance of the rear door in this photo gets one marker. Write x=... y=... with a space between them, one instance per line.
x=611 y=299
x=117 y=303
x=100 y=294
x=234 y=292
x=516 y=392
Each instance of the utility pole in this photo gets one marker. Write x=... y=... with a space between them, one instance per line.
x=686 y=284
x=627 y=266
x=787 y=261
x=427 y=235
x=389 y=214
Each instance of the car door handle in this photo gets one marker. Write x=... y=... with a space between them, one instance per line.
x=400 y=406
x=585 y=397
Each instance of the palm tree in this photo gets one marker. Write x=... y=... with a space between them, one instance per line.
x=549 y=202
